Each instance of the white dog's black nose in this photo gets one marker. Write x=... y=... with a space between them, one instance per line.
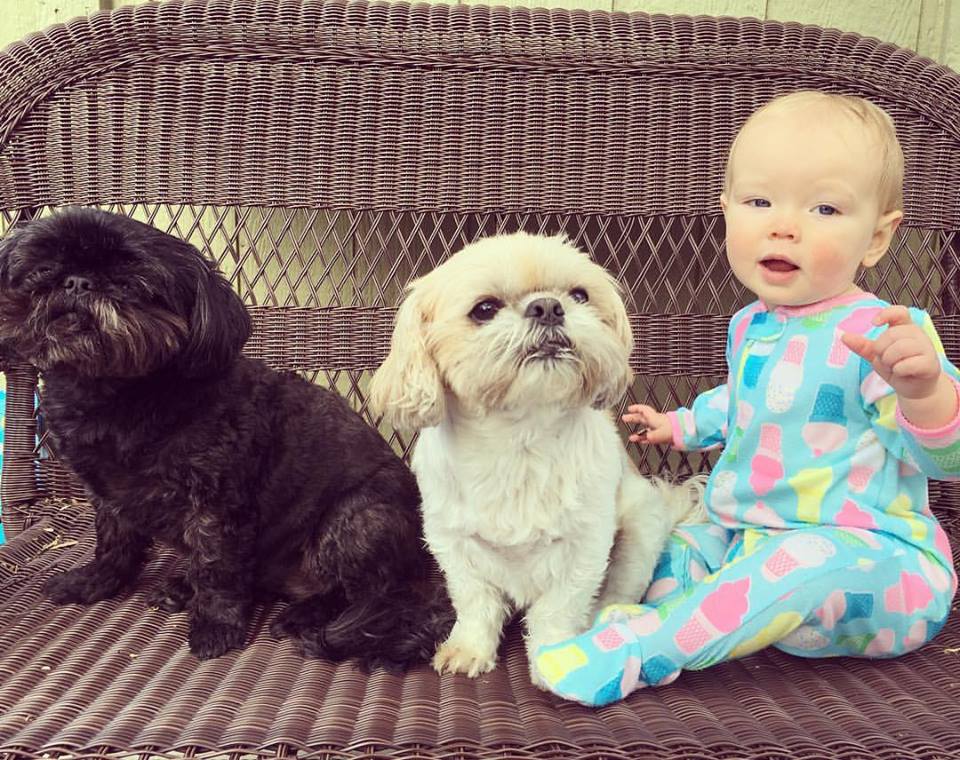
x=545 y=311
x=76 y=285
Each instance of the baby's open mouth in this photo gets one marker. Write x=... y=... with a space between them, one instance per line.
x=778 y=265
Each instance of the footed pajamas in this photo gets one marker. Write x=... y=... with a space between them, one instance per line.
x=821 y=540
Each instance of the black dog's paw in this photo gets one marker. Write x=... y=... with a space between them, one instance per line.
x=306 y=616
x=313 y=645
x=172 y=596
x=298 y=619
x=82 y=585
x=209 y=640
x=286 y=625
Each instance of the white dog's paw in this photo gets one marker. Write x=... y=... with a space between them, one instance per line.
x=454 y=657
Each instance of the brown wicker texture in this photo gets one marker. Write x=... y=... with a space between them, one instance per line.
x=327 y=152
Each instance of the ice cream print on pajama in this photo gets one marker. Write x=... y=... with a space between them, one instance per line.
x=816 y=446
x=831 y=547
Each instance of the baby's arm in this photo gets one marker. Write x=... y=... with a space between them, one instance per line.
x=656 y=427
x=922 y=424
x=702 y=426
x=905 y=356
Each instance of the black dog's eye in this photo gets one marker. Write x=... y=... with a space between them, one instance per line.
x=579 y=295
x=485 y=310
x=36 y=275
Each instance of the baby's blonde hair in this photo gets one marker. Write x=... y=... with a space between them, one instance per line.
x=861 y=111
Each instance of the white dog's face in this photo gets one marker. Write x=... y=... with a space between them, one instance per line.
x=510 y=322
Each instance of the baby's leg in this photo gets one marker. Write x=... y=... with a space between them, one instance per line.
x=771 y=587
x=691 y=553
x=882 y=611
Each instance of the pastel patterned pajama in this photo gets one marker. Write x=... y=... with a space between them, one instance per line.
x=821 y=543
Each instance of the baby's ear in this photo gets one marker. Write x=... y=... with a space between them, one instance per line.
x=882 y=237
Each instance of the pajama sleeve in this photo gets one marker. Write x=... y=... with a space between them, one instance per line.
x=704 y=425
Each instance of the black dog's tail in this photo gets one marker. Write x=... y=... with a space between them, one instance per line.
x=393 y=628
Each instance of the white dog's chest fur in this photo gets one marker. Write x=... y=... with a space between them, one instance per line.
x=520 y=501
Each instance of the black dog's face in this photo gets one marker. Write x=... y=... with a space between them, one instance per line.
x=107 y=296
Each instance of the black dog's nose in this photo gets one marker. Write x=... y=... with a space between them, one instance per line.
x=76 y=285
x=545 y=311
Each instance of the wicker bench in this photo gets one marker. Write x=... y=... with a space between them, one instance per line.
x=327 y=152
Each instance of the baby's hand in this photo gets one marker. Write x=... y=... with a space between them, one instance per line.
x=657 y=425
x=903 y=354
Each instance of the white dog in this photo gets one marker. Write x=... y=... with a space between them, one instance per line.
x=507 y=356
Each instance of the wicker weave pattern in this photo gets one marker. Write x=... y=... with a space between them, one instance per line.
x=325 y=154
x=116 y=677
x=495 y=92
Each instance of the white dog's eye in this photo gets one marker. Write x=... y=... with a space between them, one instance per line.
x=485 y=310
x=579 y=295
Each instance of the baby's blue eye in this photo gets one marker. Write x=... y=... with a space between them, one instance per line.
x=825 y=209
x=758 y=203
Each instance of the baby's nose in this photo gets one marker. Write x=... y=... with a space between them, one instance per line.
x=785 y=227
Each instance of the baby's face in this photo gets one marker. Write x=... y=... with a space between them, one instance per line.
x=802 y=209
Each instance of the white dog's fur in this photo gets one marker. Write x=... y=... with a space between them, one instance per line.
x=525 y=480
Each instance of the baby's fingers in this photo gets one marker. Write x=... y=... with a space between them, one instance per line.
x=644 y=435
x=638 y=414
x=892 y=316
x=916 y=366
x=897 y=351
x=860 y=345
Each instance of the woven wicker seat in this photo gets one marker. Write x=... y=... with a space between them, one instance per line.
x=327 y=152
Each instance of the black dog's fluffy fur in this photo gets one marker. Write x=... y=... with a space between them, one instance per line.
x=266 y=484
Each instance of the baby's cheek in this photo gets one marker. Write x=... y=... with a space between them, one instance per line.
x=738 y=235
x=831 y=260
x=740 y=248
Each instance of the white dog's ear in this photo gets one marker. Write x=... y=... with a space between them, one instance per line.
x=407 y=389
x=612 y=385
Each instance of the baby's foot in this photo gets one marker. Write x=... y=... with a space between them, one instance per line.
x=602 y=665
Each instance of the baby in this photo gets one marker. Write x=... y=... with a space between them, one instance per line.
x=836 y=409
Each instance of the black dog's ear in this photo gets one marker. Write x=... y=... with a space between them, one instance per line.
x=7 y=246
x=219 y=325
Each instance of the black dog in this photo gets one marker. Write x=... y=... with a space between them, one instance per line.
x=266 y=484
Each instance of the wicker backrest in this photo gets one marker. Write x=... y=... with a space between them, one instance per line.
x=325 y=153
